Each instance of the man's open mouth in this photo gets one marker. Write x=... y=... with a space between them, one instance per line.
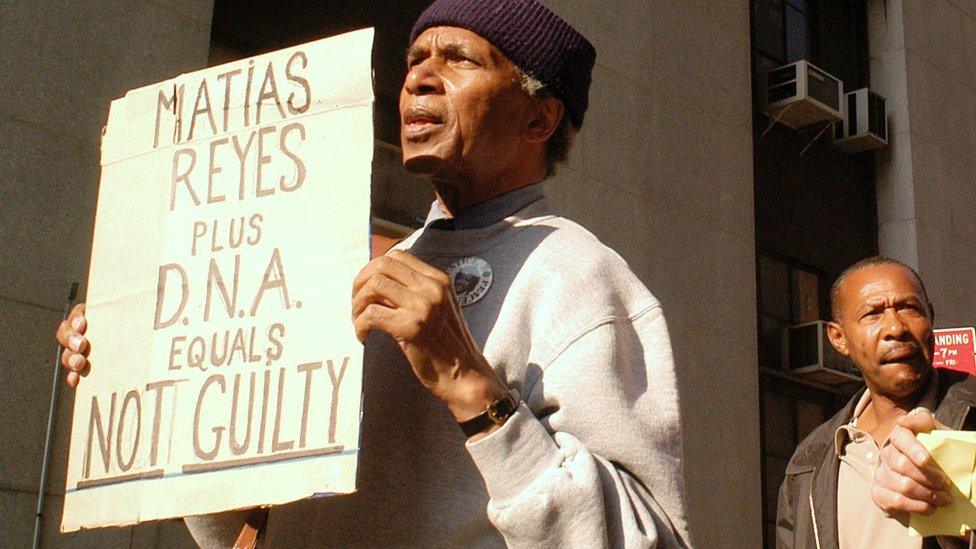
x=419 y=120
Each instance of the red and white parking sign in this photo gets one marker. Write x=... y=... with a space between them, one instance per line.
x=955 y=349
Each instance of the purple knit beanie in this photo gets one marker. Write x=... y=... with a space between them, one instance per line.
x=532 y=36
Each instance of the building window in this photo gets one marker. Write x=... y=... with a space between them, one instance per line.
x=795 y=22
x=768 y=33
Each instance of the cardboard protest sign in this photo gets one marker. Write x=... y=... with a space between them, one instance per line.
x=232 y=219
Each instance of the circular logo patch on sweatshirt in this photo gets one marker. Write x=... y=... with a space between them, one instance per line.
x=472 y=278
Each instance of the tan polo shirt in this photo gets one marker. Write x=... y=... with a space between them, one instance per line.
x=860 y=523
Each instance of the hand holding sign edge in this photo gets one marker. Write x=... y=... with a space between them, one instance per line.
x=70 y=335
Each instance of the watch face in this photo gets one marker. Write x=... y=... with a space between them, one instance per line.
x=504 y=407
x=496 y=413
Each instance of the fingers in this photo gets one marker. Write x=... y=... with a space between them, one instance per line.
x=74 y=344
x=920 y=420
x=929 y=476
x=400 y=280
x=903 y=440
x=76 y=364
x=435 y=284
x=895 y=504
x=915 y=486
x=72 y=361
x=423 y=268
x=76 y=323
x=382 y=290
x=70 y=331
x=374 y=316
x=76 y=348
x=402 y=267
x=385 y=304
x=907 y=480
x=77 y=318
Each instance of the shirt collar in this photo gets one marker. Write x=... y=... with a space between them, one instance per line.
x=485 y=213
x=859 y=408
x=848 y=430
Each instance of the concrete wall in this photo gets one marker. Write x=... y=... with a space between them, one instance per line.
x=922 y=58
x=62 y=63
x=662 y=172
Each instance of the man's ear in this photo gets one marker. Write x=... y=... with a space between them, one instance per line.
x=836 y=336
x=545 y=115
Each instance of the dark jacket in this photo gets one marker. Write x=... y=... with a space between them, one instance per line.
x=809 y=491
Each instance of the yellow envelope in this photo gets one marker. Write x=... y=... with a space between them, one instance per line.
x=955 y=453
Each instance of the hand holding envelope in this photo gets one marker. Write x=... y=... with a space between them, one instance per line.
x=955 y=453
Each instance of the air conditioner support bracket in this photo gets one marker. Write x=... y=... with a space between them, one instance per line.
x=826 y=125
x=772 y=123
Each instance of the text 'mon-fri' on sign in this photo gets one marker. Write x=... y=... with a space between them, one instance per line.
x=233 y=216
x=955 y=349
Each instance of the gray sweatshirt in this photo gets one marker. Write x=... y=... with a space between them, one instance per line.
x=593 y=456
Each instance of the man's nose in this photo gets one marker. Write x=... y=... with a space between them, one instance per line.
x=894 y=326
x=423 y=79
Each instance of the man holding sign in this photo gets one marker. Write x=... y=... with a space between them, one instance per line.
x=521 y=328
x=855 y=479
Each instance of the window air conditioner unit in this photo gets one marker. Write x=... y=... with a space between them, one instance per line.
x=808 y=353
x=864 y=125
x=800 y=94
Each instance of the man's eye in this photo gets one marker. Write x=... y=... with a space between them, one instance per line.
x=415 y=58
x=464 y=61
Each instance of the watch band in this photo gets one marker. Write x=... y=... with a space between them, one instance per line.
x=495 y=414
